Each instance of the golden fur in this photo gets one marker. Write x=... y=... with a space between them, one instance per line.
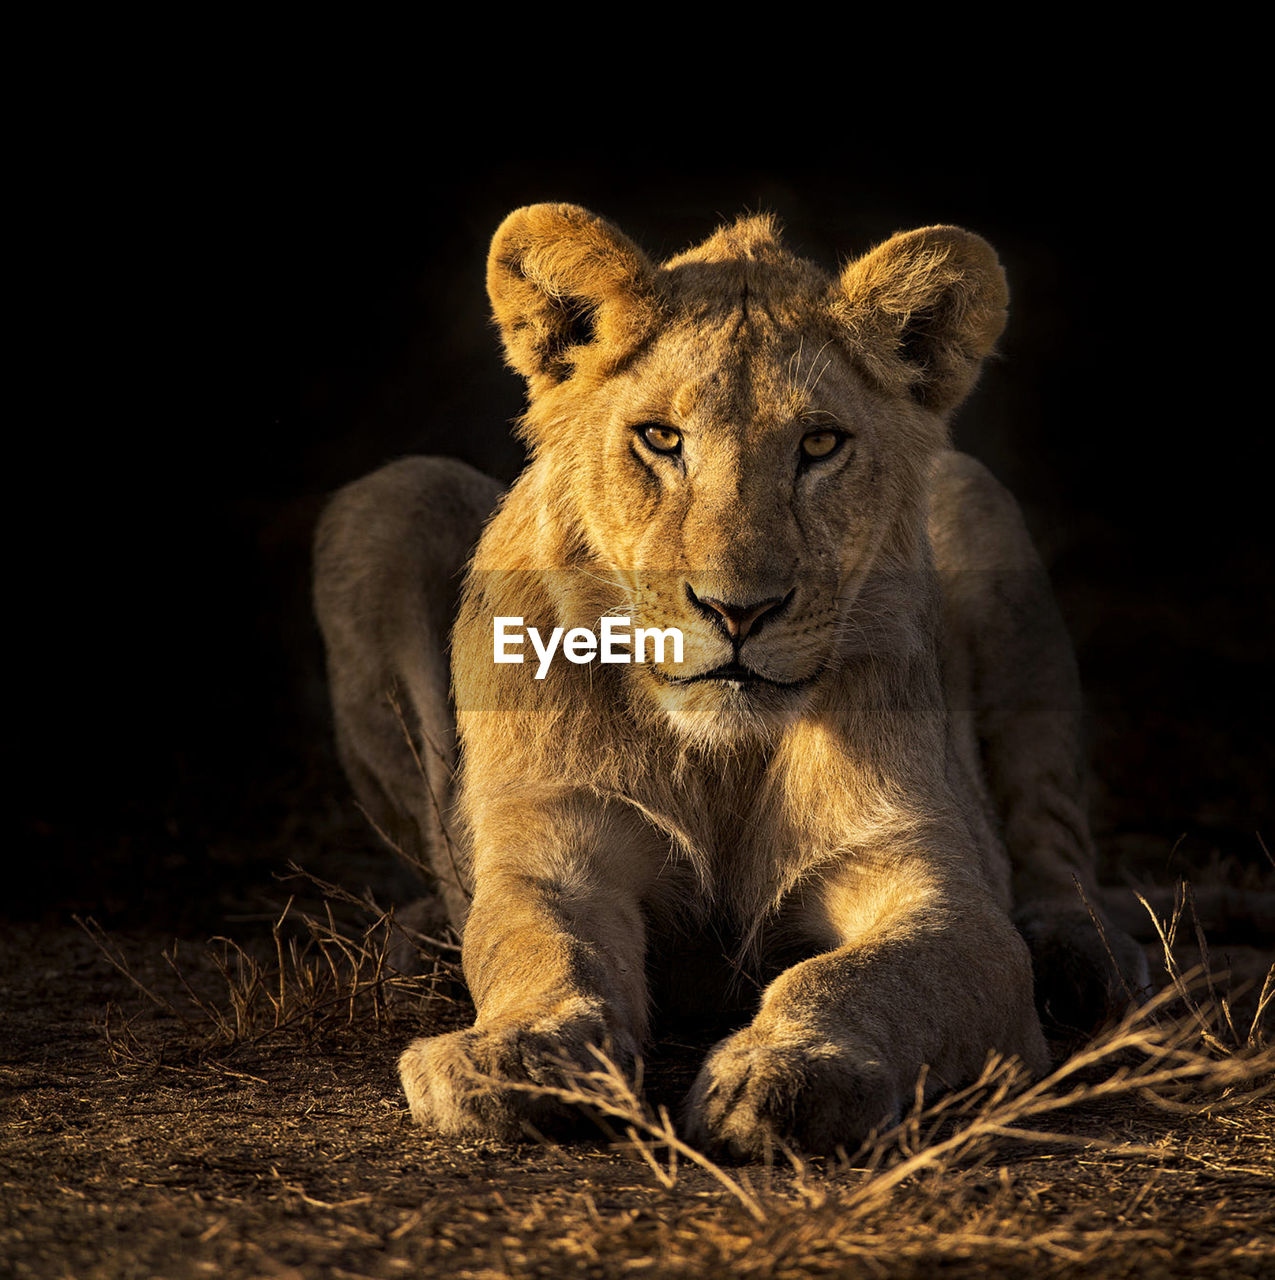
x=852 y=811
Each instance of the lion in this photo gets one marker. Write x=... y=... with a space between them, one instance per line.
x=846 y=831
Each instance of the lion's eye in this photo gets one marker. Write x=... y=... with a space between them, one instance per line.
x=821 y=444
x=661 y=438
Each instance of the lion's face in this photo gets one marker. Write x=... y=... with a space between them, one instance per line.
x=733 y=481
x=732 y=437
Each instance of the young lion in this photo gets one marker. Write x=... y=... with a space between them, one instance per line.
x=865 y=760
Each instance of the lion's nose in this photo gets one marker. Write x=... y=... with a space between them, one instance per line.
x=740 y=620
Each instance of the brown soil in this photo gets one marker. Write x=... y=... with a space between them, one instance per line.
x=147 y=1147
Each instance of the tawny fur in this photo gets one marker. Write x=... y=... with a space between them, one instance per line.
x=857 y=829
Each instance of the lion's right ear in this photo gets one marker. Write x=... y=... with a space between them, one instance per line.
x=560 y=278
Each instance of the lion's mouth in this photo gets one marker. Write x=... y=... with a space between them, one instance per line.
x=735 y=673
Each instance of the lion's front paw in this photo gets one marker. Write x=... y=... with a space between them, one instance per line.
x=1082 y=976
x=754 y=1093
x=483 y=1082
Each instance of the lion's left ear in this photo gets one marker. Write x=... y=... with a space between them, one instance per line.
x=923 y=310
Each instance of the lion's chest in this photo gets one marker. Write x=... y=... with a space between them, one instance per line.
x=706 y=976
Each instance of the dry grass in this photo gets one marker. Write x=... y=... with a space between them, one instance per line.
x=1163 y=1060
x=321 y=975
x=1149 y=1151
x=1210 y=1010
x=1181 y=1048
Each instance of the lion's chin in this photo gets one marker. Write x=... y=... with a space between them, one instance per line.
x=726 y=711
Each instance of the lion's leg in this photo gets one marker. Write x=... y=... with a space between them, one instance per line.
x=1013 y=683
x=389 y=552
x=554 y=953
x=921 y=973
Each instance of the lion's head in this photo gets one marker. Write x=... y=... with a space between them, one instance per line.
x=728 y=442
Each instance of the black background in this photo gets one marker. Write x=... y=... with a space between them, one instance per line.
x=233 y=312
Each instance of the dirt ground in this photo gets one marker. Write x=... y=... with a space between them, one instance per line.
x=140 y=1144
